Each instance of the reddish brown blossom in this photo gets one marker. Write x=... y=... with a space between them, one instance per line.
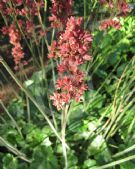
x=123 y=7
x=52 y=50
x=24 y=11
x=4 y=30
x=60 y=11
x=72 y=48
x=59 y=99
x=17 y=53
x=73 y=43
x=120 y=5
x=110 y=23
x=15 y=38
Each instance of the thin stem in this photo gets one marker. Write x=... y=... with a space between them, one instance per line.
x=28 y=109
x=45 y=7
x=12 y=119
x=63 y=133
x=31 y=98
x=41 y=60
x=85 y=12
x=14 y=150
x=52 y=63
x=124 y=151
x=114 y=163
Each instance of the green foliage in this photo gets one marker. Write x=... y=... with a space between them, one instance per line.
x=10 y=162
x=43 y=157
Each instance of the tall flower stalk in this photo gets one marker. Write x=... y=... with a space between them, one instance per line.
x=63 y=134
x=72 y=50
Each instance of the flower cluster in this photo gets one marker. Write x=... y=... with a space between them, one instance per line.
x=60 y=11
x=121 y=5
x=15 y=38
x=21 y=15
x=72 y=48
x=24 y=12
x=20 y=7
x=110 y=23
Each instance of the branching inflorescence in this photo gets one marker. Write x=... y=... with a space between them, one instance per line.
x=120 y=6
x=19 y=18
x=72 y=47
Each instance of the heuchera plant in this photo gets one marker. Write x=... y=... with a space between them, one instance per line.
x=72 y=47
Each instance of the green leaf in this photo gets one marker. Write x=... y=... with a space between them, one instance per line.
x=10 y=162
x=89 y=163
x=43 y=158
x=127 y=165
x=121 y=69
x=35 y=137
x=99 y=149
x=106 y=41
x=72 y=159
x=76 y=112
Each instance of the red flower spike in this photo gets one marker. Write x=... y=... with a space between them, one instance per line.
x=72 y=47
x=15 y=38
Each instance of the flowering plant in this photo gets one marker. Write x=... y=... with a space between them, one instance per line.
x=80 y=88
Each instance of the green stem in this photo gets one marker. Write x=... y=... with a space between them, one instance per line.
x=52 y=63
x=14 y=150
x=12 y=119
x=28 y=109
x=124 y=151
x=114 y=163
x=63 y=133
x=28 y=94
x=85 y=12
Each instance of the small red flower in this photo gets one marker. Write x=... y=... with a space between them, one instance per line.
x=60 y=11
x=15 y=39
x=4 y=30
x=123 y=7
x=120 y=5
x=110 y=23
x=72 y=47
